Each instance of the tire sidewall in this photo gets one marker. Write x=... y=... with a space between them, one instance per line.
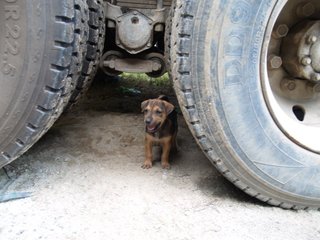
x=236 y=117
x=27 y=65
x=46 y=56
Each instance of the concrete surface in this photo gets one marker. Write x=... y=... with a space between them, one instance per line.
x=87 y=183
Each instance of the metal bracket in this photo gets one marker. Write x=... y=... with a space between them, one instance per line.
x=134 y=28
x=133 y=65
x=114 y=63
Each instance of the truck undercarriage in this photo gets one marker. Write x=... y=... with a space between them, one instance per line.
x=246 y=75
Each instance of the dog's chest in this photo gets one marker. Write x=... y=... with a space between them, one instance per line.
x=156 y=139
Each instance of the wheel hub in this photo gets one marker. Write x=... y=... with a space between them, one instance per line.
x=301 y=51
x=290 y=67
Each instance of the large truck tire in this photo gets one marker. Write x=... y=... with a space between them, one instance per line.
x=233 y=64
x=95 y=44
x=42 y=46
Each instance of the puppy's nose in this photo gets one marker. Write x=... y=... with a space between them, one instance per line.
x=148 y=121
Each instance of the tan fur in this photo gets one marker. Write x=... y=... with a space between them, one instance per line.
x=159 y=130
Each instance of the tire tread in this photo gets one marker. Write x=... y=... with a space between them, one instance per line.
x=178 y=40
x=94 y=44
x=69 y=21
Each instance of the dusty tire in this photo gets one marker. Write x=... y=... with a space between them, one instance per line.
x=95 y=44
x=40 y=55
x=168 y=37
x=215 y=53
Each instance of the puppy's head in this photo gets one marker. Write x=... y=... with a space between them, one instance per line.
x=155 y=113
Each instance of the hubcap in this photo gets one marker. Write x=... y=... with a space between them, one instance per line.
x=290 y=67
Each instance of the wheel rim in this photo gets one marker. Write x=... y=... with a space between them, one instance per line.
x=290 y=68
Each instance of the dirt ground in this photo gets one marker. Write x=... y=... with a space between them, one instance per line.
x=87 y=183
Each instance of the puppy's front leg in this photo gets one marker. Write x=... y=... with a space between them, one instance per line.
x=166 y=146
x=148 y=153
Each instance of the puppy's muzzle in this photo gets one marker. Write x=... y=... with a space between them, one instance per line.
x=148 y=121
x=151 y=126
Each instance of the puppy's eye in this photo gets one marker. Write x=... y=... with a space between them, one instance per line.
x=145 y=111
x=158 y=112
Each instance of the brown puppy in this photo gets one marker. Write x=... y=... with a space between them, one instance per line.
x=160 y=118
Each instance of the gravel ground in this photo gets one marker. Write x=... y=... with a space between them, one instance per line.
x=87 y=183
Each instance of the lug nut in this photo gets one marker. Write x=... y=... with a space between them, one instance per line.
x=156 y=66
x=288 y=84
x=112 y=64
x=316 y=88
x=109 y=63
x=315 y=77
x=291 y=86
x=281 y=31
x=306 y=61
x=275 y=62
x=306 y=10
x=312 y=39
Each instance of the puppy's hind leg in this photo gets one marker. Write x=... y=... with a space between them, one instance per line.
x=174 y=144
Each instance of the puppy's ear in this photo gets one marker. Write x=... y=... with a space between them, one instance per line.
x=168 y=106
x=144 y=104
x=164 y=97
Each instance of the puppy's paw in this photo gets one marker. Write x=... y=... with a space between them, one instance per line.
x=147 y=165
x=165 y=165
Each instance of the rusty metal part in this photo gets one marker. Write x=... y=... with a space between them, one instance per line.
x=288 y=84
x=301 y=51
x=158 y=58
x=109 y=56
x=156 y=15
x=134 y=32
x=135 y=27
x=297 y=89
x=132 y=65
x=145 y=4
x=306 y=9
x=274 y=62
x=114 y=63
x=315 y=55
x=281 y=31
x=316 y=88
x=292 y=91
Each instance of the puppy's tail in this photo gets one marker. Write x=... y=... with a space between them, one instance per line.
x=164 y=97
